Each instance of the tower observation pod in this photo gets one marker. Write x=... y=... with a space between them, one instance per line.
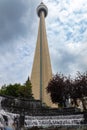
x=41 y=70
x=42 y=8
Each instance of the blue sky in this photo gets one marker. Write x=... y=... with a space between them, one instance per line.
x=66 y=26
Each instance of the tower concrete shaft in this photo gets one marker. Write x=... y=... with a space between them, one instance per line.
x=41 y=71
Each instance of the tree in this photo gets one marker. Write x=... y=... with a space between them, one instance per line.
x=18 y=90
x=26 y=90
x=56 y=88
x=61 y=88
x=80 y=87
x=10 y=90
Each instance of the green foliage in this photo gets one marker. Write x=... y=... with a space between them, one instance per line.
x=18 y=90
x=26 y=90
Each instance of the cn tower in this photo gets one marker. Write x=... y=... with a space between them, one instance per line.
x=41 y=70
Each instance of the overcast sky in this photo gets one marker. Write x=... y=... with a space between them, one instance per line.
x=66 y=25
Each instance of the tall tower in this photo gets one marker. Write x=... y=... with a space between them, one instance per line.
x=41 y=71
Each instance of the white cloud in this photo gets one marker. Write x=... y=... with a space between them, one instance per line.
x=67 y=38
x=68 y=31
